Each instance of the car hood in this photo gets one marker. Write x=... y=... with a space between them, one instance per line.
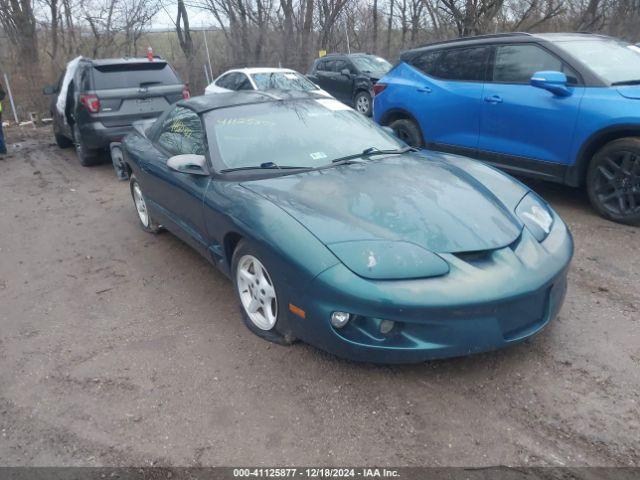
x=630 y=91
x=433 y=203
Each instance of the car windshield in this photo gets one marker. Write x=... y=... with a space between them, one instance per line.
x=282 y=81
x=297 y=133
x=371 y=64
x=613 y=60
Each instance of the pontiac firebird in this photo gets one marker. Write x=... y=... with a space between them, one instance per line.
x=336 y=233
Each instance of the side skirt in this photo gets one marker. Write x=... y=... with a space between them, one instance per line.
x=515 y=165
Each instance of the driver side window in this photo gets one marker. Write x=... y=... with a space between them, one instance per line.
x=227 y=81
x=338 y=66
x=181 y=133
x=243 y=83
x=516 y=64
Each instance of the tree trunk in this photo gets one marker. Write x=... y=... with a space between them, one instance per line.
x=375 y=26
x=390 y=27
x=183 y=32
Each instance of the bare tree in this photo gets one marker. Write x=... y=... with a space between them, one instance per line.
x=19 y=23
x=390 y=26
x=116 y=25
x=183 y=32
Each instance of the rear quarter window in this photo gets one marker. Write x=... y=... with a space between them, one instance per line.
x=464 y=64
x=426 y=61
x=457 y=64
x=133 y=76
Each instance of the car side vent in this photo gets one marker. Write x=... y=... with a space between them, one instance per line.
x=477 y=258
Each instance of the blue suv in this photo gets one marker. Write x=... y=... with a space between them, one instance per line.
x=560 y=107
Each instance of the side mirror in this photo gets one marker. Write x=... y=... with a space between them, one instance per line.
x=346 y=72
x=554 y=82
x=189 y=163
x=49 y=90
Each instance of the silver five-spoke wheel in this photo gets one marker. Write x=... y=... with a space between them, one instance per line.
x=257 y=294
x=141 y=206
x=363 y=104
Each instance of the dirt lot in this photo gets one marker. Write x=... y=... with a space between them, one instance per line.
x=118 y=347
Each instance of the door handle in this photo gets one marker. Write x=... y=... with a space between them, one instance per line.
x=493 y=99
x=424 y=89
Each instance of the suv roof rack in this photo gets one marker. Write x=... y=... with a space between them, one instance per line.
x=120 y=60
x=478 y=37
x=346 y=54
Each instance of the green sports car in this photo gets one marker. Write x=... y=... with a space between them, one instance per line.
x=335 y=232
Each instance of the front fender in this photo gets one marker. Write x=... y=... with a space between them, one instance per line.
x=290 y=250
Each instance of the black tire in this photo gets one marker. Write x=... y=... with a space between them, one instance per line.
x=613 y=181
x=274 y=334
x=62 y=141
x=408 y=131
x=362 y=103
x=88 y=157
x=151 y=225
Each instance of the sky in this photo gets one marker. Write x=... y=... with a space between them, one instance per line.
x=166 y=17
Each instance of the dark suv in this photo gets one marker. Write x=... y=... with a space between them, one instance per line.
x=106 y=96
x=349 y=77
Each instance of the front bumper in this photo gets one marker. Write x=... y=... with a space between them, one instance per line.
x=481 y=305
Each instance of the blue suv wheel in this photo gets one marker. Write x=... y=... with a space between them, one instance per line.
x=613 y=180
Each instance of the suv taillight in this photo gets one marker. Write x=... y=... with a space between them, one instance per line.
x=186 y=94
x=91 y=102
x=378 y=88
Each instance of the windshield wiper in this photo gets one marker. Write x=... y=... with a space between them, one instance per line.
x=263 y=166
x=366 y=153
x=626 y=82
x=369 y=152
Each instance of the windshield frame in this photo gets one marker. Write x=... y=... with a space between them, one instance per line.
x=220 y=170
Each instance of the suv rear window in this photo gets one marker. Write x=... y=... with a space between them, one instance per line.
x=133 y=75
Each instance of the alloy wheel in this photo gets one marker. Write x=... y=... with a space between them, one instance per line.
x=362 y=104
x=257 y=293
x=617 y=183
x=141 y=205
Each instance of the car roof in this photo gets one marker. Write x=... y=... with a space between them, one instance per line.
x=207 y=103
x=348 y=55
x=260 y=70
x=506 y=38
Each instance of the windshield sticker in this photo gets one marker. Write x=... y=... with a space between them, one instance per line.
x=332 y=104
x=291 y=76
x=318 y=155
x=179 y=127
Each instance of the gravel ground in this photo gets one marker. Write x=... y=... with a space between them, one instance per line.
x=122 y=348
